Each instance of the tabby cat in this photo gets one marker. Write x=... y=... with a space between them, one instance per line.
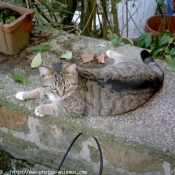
x=114 y=89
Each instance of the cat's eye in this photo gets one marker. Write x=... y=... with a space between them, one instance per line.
x=67 y=86
x=53 y=87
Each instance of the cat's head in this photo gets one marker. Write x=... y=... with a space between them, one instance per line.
x=59 y=81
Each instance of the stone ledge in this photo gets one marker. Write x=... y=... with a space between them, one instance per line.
x=147 y=130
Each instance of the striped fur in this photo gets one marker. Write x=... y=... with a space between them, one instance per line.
x=117 y=88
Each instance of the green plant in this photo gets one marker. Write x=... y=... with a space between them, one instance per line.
x=9 y=20
x=0 y=17
x=114 y=38
x=117 y=40
x=162 y=46
x=7 y=15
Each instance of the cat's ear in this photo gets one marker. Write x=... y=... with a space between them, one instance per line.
x=71 y=68
x=45 y=71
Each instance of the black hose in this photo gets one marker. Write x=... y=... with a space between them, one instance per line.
x=99 y=149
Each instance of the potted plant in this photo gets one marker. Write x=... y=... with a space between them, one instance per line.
x=160 y=37
x=14 y=36
x=160 y=22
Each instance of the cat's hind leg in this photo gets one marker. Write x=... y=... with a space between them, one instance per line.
x=115 y=55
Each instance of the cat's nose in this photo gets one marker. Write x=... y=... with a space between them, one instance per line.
x=60 y=93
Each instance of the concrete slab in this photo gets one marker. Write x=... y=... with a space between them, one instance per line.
x=150 y=129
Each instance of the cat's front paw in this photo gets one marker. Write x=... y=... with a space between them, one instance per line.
x=38 y=111
x=20 y=95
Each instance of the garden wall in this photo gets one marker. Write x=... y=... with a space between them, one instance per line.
x=141 y=141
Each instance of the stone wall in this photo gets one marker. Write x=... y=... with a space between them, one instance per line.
x=45 y=142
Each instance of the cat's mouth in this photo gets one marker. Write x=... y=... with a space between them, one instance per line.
x=53 y=97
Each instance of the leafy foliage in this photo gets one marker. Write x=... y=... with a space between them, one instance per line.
x=116 y=40
x=7 y=15
x=88 y=17
x=161 y=46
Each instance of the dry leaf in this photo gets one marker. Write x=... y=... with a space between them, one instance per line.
x=87 y=57
x=101 y=58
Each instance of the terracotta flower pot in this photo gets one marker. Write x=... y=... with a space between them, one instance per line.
x=154 y=24
x=15 y=36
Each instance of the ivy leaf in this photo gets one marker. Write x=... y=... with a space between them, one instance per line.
x=148 y=40
x=67 y=55
x=145 y=39
x=37 y=60
x=41 y=48
x=141 y=43
x=155 y=45
x=163 y=40
x=171 y=62
x=143 y=36
x=157 y=52
x=171 y=40
x=172 y=51
x=21 y=78
x=114 y=42
x=130 y=41
x=1 y=86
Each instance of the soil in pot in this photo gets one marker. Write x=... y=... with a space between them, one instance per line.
x=7 y=15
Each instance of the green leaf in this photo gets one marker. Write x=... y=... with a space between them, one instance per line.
x=41 y=48
x=172 y=51
x=163 y=40
x=67 y=55
x=112 y=35
x=130 y=41
x=170 y=68
x=145 y=39
x=1 y=86
x=168 y=34
x=170 y=60
x=148 y=40
x=37 y=60
x=109 y=31
x=155 y=46
x=115 y=42
x=156 y=53
x=167 y=51
x=143 y=36
x=141 y=43
x=171 y=40
x=117 y=1
x=21 y=78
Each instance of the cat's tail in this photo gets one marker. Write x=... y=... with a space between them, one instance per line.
x=147 y=59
